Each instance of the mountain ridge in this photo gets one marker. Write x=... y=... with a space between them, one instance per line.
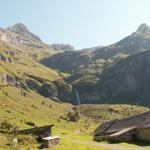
x=137 y=42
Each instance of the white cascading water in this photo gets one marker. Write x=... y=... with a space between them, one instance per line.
x=77 y=97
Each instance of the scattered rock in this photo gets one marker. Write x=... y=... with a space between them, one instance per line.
x=30 y=123
x=4 y=58
x=73 y=115
x=10 y=52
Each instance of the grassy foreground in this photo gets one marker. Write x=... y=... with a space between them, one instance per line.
x=21 y=108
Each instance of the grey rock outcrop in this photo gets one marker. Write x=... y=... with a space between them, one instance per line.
x=68 y=61
x=10 y=52
x=5 y=58
x=7 y=80
x=19 y=35
x=10 y=80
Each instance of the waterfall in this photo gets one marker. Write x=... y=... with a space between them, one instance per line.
x=77 y=97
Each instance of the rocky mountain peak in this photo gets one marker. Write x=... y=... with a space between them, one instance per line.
x=19 y=28
x=143 y=29
x=22 y=30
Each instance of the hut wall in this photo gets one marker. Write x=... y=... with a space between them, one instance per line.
x=144 y=134
x=125 y=138
x=50 y=143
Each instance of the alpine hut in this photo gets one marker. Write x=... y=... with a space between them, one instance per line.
x=129 y=129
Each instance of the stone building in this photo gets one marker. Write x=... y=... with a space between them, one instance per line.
x=125 y=130
x=45 y=135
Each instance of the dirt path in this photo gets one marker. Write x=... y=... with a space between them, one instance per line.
x=110 y=146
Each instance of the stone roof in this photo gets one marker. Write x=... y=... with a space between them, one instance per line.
x=122 y=131
x=37 y=130
x=137 y=121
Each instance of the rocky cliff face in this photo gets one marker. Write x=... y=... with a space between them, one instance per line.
x=7 y=56
x=113 y=74
x=67 y=61
x=127 y=81
x=124 y=81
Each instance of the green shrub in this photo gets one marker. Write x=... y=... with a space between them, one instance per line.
x=26 y=139
x=48 y=90
x=6 y=125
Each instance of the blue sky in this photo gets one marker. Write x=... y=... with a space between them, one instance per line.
x=82 y=23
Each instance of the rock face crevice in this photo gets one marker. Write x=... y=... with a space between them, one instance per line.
x=5 y=58
x=6 y=79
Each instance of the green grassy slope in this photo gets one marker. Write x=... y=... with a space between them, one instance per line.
x=24 y=64
x=19 y=109
x=105 y=112
x=29 y=107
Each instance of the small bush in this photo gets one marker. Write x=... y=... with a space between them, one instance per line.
x=30 y=123
x=26 y=139
x=43 y=103
x=6 y=125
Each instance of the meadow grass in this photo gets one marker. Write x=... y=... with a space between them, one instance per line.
x=19 y=109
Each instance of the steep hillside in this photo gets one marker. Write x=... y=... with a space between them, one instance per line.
x=122 y=81
x=20 y=70
x=15 y=62
x=69 y=61
x=19 y=36
x=20 y=106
